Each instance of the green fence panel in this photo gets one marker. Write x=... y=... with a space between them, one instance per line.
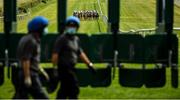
x=85 y=44
x=100 y=79
x=2 y=50
x=175 y=49
x=13 y=43
x=1 y=75
x=155 y=77
x=2 y=57
x=101 y=48
x=131 y=77
x=156 y=49
x=47 y=44
x=130 y=48
x=84 y=77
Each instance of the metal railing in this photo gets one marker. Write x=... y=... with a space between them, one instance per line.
x=19 y=17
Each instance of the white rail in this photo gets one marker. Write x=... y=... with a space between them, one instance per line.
x=19 y=17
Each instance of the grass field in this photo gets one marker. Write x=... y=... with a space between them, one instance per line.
x=50 y=12
x=135 y=14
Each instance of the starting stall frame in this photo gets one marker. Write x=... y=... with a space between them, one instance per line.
x=114 y=49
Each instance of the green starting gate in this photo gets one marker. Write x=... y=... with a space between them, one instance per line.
x=132 y=48
x=111 y=50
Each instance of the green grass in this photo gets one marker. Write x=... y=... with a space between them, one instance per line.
x=86 y=26
x=139 y=14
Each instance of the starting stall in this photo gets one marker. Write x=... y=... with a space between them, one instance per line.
x=111 y=50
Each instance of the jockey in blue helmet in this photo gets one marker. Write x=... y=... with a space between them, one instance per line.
x=72 y=25
x=38 y=25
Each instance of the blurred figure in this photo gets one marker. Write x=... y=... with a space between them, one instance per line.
x=65 y=56
x=28 y=53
